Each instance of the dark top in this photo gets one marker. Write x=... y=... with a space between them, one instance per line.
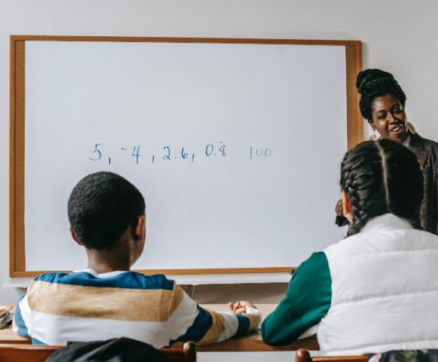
x=427 y=153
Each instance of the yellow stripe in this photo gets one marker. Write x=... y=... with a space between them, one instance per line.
x=218 y=327
x=177 y=297
x=138 y=305
x=254 y=321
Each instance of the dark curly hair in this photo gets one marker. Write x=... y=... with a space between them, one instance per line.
x=101 y=207
x=372 y=83
x=382 y=177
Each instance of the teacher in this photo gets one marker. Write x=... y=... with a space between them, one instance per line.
x=382 y=104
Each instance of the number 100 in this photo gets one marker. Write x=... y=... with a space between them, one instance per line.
x=259 y=152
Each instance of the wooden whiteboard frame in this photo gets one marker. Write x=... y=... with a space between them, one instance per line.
x=17 y=131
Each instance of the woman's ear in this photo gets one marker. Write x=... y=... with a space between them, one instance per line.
x=346 y=206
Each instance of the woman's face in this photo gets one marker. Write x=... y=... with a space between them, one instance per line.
x=389 y=118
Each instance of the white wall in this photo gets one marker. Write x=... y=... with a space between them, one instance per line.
x=397 y=35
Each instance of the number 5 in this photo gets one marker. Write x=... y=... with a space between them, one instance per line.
x=98 y=152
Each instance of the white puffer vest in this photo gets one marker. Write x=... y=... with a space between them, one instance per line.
x=384 y=290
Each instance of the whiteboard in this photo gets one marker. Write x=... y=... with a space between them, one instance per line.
x=235 y=147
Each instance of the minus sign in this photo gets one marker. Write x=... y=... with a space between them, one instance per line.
x=124 y=149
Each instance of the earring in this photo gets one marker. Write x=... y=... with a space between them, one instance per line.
x=375 y=135
x=411 y=128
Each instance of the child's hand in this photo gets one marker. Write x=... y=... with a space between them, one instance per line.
x=240 y=306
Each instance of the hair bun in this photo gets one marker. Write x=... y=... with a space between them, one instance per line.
x=368 y=77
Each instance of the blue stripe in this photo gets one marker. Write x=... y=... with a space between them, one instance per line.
x=128 y=280
x=243 y=324
x=19 y=321
x=201 y=325
x=36 y=341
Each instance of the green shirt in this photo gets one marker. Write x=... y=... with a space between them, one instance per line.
x=307 y=301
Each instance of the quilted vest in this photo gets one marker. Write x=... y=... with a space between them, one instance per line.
x=384 y=290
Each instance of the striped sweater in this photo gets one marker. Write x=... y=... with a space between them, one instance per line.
x=86 y=306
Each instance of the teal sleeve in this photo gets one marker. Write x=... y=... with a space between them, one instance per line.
x=307 y=301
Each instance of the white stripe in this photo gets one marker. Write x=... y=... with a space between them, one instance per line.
x=255 y=311
x=58 y=330
x=231 y=326
x=25 y=314
x=182 y=318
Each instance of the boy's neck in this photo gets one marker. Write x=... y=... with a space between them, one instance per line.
x=105 y=261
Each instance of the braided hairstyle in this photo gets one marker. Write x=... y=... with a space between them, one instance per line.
x=373 y=83
x=382 y=177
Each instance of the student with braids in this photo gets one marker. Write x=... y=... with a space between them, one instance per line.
x=382 y=104
x=376 y=290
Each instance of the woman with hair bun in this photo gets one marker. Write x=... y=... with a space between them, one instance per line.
x=376 y=290
x=382 y=104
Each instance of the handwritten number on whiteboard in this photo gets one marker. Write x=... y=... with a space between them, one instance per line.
x=209 y=150
x=136 y=153
x=184 y=154
x=222 y=149
x=166 y=157
x=260 y=152
x=99 y=154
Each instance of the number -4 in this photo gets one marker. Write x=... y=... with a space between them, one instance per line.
x=99 y=154
x=136 y=153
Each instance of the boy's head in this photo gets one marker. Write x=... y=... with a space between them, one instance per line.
x=101 y=207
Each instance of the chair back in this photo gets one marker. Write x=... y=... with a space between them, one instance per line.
x=186 y=354
x=39 y=353
x=26 y=352
x=303 y=355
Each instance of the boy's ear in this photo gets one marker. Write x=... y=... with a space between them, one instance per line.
x=139 y=228
x=75 y=237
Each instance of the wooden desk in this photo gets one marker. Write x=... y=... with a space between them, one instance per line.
x=251 y=342
x=8 y=336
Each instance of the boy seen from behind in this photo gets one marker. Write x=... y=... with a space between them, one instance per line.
x=107 y=300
